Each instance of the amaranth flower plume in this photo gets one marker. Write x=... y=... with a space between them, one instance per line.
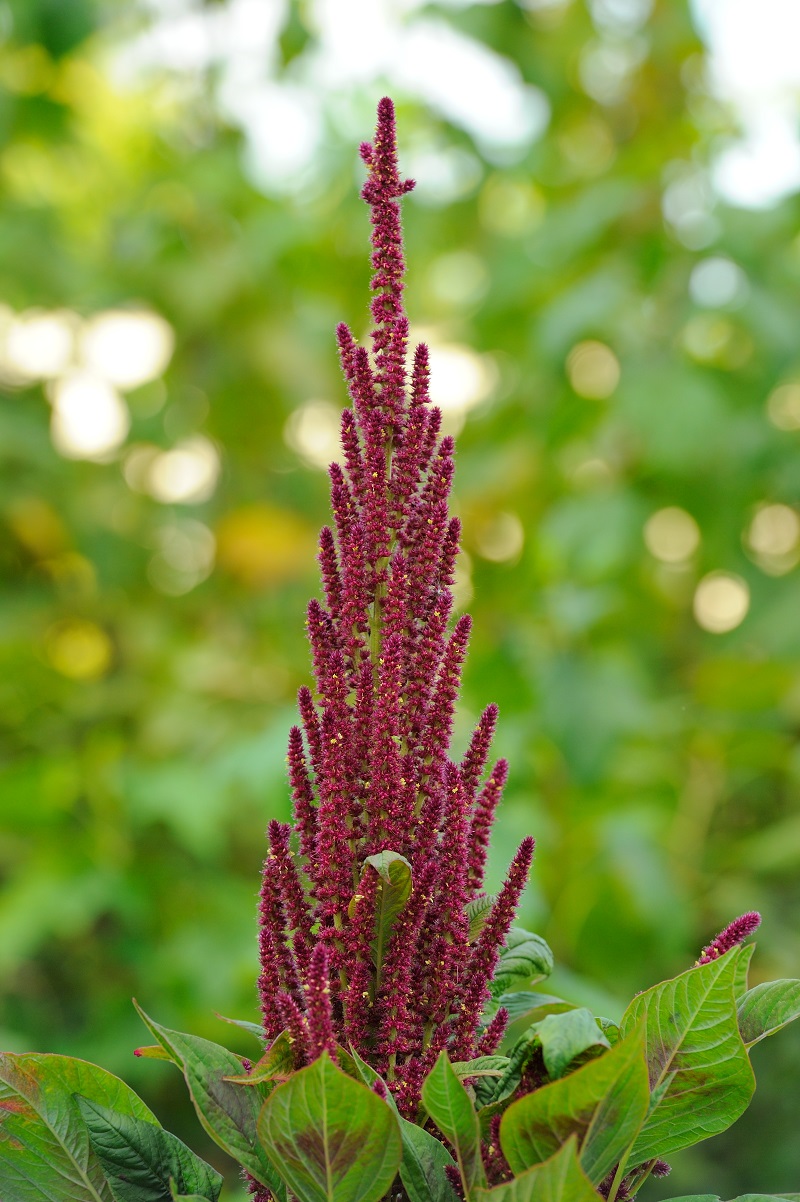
x=378 y=802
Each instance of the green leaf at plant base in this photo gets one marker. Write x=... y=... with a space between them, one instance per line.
x=525 y=959
x=424 y=1156
x=700 y=1074
x=741 y=1198
x=228 y=1112
x=330 y=1138
x=767 y=1008
x=140 y=1158
x=559 y=1179
x=564 y=1037
x=603 y=1105
x=482 y=1066
x=277 y=1063
x=450 y=1107
x=45 y=1150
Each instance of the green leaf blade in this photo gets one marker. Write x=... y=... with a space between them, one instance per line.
x=140 y=1159
x=450 y=1107
x=768 y=1008
x=330 y=1138
x=700 y=1074
x=525 y=959
x=602 y=1105
x=227 y=1111
x=565 y=1037
x=559 y=1179
x=45 y=1150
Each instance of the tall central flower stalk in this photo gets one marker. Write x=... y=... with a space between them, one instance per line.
x=365 y=902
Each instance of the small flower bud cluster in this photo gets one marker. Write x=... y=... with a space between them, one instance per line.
x=735 y=933
x=370 y=768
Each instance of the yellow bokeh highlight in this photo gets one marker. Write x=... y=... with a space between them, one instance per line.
x=721 y=602
x=593 y=370
x=671 y=535
x=262 y=545
x=79 y=649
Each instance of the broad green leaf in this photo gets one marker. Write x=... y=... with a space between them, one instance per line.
x=700 y=1074
x=526 y=1008
x=525 y=959
x=330 y=1138
x=767 y=1008
x=482 y=1066
x=564 y=1037
x=228 y=1112
x=276 y=1063
x=424 y=1156
x=394 y=891
x=477 y=911
x=45 y=1150
x=140 y=1158
x=450 y=1107
x=559 y=1179
x=603 y=1105
x=518 y=1057
x=741 y=1198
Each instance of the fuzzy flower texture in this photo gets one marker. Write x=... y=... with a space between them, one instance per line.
x=348 y=954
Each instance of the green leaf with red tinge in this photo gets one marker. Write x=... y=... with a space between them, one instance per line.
x=330 y=1138
x=524 y=960
x=394 y=891
x=700 y=1074
x=559 y=1179
x=45 y=1150
x=603 y=1105
x=227 y=1111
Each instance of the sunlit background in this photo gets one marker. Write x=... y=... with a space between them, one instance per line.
x=605 y=259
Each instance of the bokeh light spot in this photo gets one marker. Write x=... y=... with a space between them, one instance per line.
x=128 y=348
x=593 y=370
x=783 y=406
x=721 y=602
x=773 y=538
x=187 y=474
x=672 y=535
x=40 y=345
x=500 y=538
x=79 y=649
x=313 y=432
x=716 y=282
x=90 y=420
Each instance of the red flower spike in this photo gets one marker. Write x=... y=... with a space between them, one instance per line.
x=370 y=767
x=734 y=933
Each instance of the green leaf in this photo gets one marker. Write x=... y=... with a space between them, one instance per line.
x=422 y=1170
x=153 y=1051
x=245 y=1025
x=533 y=1006
x=140 y=1158
x=564 y=1037
x=451 y=1109
x=603 y=1105
x=45 y=1151
x=482 y=1066
x=331 y=1138
x=742 y=969
x=518 y=1057
x=525 y=959
x=559 y=1179
x=227 y=1111
x=424 y=1156
x=394 y=891
x=477 y=912
x=276 y=1063
x=768 y=1008
x=741 y=1198
x=700 y=1074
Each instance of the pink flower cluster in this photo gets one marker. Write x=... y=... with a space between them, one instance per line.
x=370 y=769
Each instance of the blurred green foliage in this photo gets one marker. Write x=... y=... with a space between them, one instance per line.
x=145 y=714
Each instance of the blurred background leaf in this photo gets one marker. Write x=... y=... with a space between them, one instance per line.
x=610 y=296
